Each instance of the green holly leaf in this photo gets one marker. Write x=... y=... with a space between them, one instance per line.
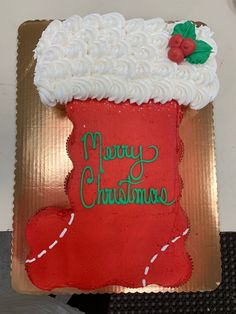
x=201 y=54
x=186 y=29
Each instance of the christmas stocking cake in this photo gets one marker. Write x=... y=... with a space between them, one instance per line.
x=124 y=85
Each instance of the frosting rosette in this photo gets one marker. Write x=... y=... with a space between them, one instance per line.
x=108 y=57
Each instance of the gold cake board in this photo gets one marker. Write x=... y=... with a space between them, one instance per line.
x=42 y=165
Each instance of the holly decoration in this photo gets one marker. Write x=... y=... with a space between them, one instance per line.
x=175 y=54
x=184 y=45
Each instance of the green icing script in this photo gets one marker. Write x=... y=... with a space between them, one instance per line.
x=126 y=191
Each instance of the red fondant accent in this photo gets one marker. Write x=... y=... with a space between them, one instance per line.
x=175 y=40
x=188 y=46
x=175 y=54
x=112 y=245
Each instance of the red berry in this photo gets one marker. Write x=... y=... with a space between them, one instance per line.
x=175 y=40
x=176 y=54
x=188 y=46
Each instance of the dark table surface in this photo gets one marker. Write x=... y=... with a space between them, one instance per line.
x=222 y=300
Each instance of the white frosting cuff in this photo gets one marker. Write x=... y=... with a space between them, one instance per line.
x=105 y=56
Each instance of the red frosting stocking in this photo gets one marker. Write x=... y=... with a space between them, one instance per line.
x=125 y=226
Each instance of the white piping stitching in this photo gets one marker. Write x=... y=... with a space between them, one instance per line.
x=53 y=244
x=163 y=249
x=63 y=233
x=43 y=252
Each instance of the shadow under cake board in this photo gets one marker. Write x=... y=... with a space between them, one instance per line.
x=42 y=165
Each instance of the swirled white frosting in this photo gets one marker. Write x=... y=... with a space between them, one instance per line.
x=105 y=56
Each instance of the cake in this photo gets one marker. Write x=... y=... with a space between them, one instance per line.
x=125 y=85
